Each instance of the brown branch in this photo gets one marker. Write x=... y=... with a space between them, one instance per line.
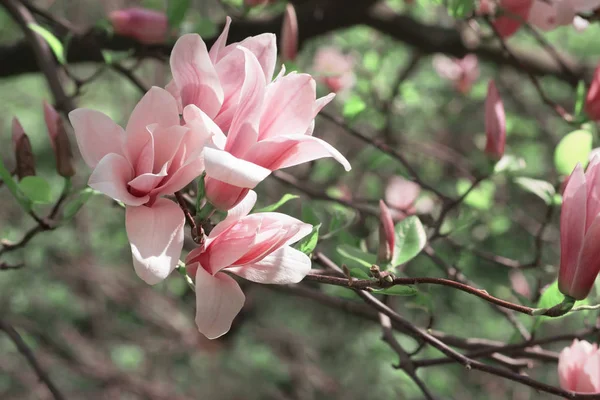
x=28 y=354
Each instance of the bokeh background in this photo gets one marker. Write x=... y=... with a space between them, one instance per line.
x=102 y=333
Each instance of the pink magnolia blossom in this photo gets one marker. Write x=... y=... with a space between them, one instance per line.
x=401 y=195
x=145 y=25
x=463 y=72
x=59 y=141
x=334 y=69
x=592 y=100
x=580 y=232
x=579 y=367
x=268 y=126
x=255 y=247
x=387 y=234
x=289 y=34
x=153 y=156
x=495 y=123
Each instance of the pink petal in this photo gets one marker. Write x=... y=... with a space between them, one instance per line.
x=589 y=381
x=264 y=48
x=322 y=102
x=156 y=237
x=288 y=150
x=111 y=176
x=233 y=215
x=517 y=12
x=244 y=127
x=156 y=107
x=588 y=265
x=144 y=183
x=572 y=228
x=229 y=246
x=51 y=118
x=195 y=75
x=222 y=166
x=289 y=106
x=218 y=300
x=203 y=126
x=172 y=88
x=283 y=266
x=181 y=177
x=220 y=43
x=401 y=193
x=446 y=67
x=592 y=178
x=97 y=135
x=166 y=144
x=223 y=195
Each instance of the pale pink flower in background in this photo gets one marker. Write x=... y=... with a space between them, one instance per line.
x=268 y=126
x=580 y=232
x=579 y=367
x=255 y=247
x=495 y=123
x=334 y=69
x=401 y=195
x=289 y=34
x=145 y=25
x=152 y=157
x=463 y=72
x=387 y=234
x=519 y=283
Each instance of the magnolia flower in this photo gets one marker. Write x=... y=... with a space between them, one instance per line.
x=289 y=34
x=495 y=123
x=25 y=163
x=580 y=232
x=334 y=69
x=579 y=367
x=59 y=141
x=152 y=157
x=387 y=234
x=463 y=72
x=401 y=195
x=543 y=14
x=592 y=100
x=254 y=247
x=144 y=25
x=268 y=126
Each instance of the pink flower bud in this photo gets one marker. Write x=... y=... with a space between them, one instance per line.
x=580 y=232
x=59 y=141
x=387 y=234
x=495 y=123
x=463 y=72
x=334 y=69
x=289 y=34
x=592 y=100
x=146 y=26
x=578 y=367
x=23 y=152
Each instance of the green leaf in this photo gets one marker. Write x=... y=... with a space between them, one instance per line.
x=551 y=297
x=572 y=149
x=75 y=204
x=126 y=356
x=200 y=192
x=410 y=240
x=308 y=243
x=52 y=41
x=580 y=98
x=36 y=189
x=353 y=106
x=356 y=258
x=542 y=189
x=176 y=10
x=309 y=215
x=458 y=8
x=359 y=273
x=13 y=187
x=398 y=290
x=482 y=197
x=284 y=199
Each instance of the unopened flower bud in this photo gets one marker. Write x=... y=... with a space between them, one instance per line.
x=146 y=26
x=59 y=141
x=23 y=151
x=289 y=34
x=387 y=235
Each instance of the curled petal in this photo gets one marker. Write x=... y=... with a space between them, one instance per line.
x=283 y=266
x=111 y=177
x=218 y=300
x=156 y=237
x=222 y=166
x=240 y=210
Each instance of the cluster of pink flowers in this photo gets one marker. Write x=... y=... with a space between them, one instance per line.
x=224 y=116
x=579 y=367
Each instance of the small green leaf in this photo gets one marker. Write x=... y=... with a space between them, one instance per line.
x=75 y=204
x=353 y=106
x=200 y=192
x=36 y=189
x=482 y=197
x=398 y=290
x=572 y=149
x=13 y=187
x=542 y=189
x=52 y=41
x=356 y=258
x=307 y=244
x=176 y=10
x=284 y=199
x=580 y=98
x=309 y=215
x=410 y=240
x=458 y=8
x=551 y=297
